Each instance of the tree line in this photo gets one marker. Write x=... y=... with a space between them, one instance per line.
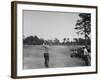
x=35 y=40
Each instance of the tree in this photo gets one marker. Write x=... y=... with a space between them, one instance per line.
x=68 y=40
x=64 y=40
x=75 y=40
x=56 y=41
x=50 y=42
x=83 y=25
x=33 y=40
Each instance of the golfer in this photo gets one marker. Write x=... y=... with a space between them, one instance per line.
x=46 y=54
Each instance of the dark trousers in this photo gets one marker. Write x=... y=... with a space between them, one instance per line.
x=86 y=58
x=46 y=58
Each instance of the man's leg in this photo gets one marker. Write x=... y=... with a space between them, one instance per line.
x=86 y=60
x=46 y=58
x=47 y=61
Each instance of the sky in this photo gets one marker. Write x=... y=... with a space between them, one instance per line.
x=50 y=25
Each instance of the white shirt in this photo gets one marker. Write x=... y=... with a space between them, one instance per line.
x=85 y=52
x=46 y=48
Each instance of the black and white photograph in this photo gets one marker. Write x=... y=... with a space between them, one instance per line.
x=56 y=39
x=53 y=39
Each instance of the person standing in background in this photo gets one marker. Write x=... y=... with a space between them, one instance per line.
x=86 y=56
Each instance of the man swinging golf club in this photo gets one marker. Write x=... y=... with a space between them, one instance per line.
x=46 y=54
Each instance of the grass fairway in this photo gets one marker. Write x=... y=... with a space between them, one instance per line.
x=59 y=57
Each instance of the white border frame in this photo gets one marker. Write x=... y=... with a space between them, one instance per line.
x=67 y=70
